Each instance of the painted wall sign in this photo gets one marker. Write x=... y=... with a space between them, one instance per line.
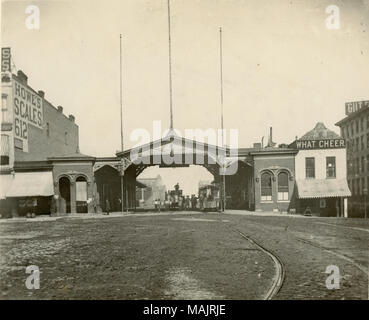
x=351 y=107
x=5 y=59
x=319 y=144
x=27 y=111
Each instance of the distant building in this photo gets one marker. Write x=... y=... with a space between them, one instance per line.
x=320 y=169
x=355 y=130
x=149 y=190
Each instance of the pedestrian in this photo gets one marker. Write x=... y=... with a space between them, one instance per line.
x=107 y=206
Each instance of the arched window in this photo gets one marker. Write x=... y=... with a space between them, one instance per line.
x=81 y=194
x=283 y=186
x=266 y=187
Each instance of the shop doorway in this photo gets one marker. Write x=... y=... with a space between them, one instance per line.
x=81 y=195
x=64 y=191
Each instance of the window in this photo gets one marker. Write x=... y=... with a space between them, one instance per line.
x=367 y=162
x=47 y=129
x=362 y=142
x=5 y=150
x=362 y=168
x=367 y=140
x=331 y=167
x=362 y=186
x=310 y=167
x=283 y=186
x=66 y=137
x=4 y=108
x=362 y=124
x=357 y=126
x=266 y=187
x=357 y=144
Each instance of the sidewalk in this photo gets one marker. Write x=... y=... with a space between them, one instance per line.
x=96 y=216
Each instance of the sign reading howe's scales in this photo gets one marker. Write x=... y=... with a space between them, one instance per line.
x=27 y=105
x=27 y=111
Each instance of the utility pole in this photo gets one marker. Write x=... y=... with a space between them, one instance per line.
x=121 y=127
x=221 y=119
x=170 y=69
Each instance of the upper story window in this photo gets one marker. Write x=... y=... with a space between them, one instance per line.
x=66 y=138
x=5 y=150
x=283 y=186
x=47 y=129
x=4 y=108
x=357 y=126
x=331 y=167
x=310 y=167
x=266 y=187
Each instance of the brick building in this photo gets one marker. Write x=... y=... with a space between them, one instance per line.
x=41 y=169
x=355 y=130
x=320 y=167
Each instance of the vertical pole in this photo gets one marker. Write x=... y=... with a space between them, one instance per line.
x=221 y=119
x=170 y=69
x=121 y=126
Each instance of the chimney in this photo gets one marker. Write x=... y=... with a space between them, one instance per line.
x=71 y=117
x=22 y=76
x=41 y=93
x=271 y=144
x=271 y=134
x=60 y=109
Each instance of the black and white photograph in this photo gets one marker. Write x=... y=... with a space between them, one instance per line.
x=184 y=153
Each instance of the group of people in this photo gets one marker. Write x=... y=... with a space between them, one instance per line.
x=177 y=203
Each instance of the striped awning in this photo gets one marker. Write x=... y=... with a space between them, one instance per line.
x=31 y=184
x=322 y=188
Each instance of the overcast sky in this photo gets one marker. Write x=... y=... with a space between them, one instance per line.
x=282 y=66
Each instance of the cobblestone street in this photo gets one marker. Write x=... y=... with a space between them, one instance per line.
x=183 y=256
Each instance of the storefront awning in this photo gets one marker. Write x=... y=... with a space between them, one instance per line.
x=322 y=188
x=31 y=184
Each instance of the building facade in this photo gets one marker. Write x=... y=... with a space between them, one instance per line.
x=320 y=167
x=41 y=169
x=149 y=190
x=355 y=130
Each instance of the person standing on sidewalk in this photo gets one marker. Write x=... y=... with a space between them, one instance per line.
x=107 y=206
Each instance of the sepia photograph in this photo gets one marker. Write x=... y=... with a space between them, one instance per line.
x=184 y=154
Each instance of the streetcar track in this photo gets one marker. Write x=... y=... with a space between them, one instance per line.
x=339 y=255
x=279 y=268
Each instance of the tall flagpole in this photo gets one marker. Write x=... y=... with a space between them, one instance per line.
x=170 y=69
x=121 y=125
x=221 y=119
